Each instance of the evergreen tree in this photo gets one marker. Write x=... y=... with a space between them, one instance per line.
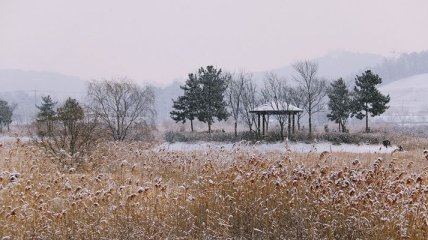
x=6 y=112
x=203 y=98
x=180 y=109
x=47 y=113
x=70 y=114
x=73 y=133
x=339 y=103
x=211 y=102
x=186 y=106
x=367 y=98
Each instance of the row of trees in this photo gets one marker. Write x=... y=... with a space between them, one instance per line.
x=211 y=94
x=365 y=100
x=114 y=108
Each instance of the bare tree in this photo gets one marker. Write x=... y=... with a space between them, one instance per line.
x=276 y=93
x=249 y=101
x=314 y=89
x=120 y=103
x=235 y=88
x=297 y=100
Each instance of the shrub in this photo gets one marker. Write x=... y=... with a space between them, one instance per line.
x=274 y=136
x=172 y=136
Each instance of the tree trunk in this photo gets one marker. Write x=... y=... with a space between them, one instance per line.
x=191 y=125
x=343 y=126
x=48 y=126
x=282 y=131
x=367 y=123
x=209 y=127
x=310 y=124
x=236 y=128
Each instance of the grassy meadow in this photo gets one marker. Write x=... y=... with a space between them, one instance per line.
x=135 y=191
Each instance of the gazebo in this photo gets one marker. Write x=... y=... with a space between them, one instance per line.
x=276 y=108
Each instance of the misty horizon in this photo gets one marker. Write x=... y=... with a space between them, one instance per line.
x=331 y=56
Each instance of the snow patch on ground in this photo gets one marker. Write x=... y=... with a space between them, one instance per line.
x=11 y=139
x=268 y=147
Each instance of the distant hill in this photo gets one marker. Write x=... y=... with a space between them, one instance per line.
x=347 y=65
x=42 y=82
x=405 y=65
x=332 y=66
x=25 y=88
x=408 y=99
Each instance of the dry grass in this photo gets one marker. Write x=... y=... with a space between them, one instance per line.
x=126 y=191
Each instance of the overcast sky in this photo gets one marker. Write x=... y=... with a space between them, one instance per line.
x=156 y=41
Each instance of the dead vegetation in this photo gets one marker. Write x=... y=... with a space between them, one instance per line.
x=127 y=191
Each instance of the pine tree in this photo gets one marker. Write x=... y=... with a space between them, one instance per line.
x=211 y=102
x=186 y=106
x=339 y=103
x=180 y=112
x=70 y=114
x=47 y=113
x=367 y=98
x=6 y=112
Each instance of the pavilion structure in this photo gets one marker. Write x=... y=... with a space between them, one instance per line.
x=275 y=108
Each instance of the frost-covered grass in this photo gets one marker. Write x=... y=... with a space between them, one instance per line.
x=139 y=191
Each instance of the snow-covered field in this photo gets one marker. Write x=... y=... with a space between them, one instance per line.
x=261 y=147
x=280 y=147
x=408 y=100
x=10 y=139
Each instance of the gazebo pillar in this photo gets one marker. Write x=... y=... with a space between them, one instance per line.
x=264 y=111
x=293 y=122
x=264 y=122
x=267 y=123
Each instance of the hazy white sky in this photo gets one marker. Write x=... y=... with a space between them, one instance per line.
x=156 y=41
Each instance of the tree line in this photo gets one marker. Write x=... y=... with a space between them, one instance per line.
x=119 y=107
x=365 y=100
x=211 y=94
x=116 y=109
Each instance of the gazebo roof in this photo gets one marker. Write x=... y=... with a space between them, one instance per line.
x=276 y=108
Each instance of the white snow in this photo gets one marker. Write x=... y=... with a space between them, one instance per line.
x=10 y=139
x=268 y=147
x=408 y=100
